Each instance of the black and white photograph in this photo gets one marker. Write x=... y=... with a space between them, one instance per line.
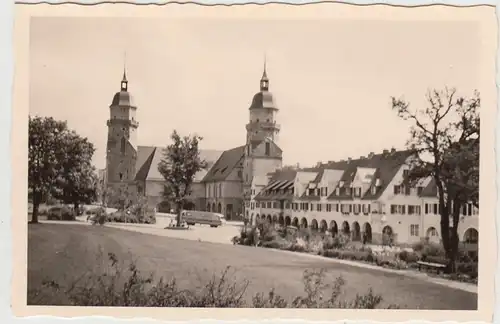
x=324 y=156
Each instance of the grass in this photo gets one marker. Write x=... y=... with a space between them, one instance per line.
x=67 y=252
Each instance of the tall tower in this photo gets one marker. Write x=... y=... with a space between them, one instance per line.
x=121 y=152
x=262 y=154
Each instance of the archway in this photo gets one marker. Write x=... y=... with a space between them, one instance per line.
x=257 y=219
x=432 y=235
x=367 y=230
x=269 y=219
x=471 y=236
x=247 y=213
x=295 y=222
x=275 y=219
x=303 y=222
x=208 y=207
x=314 y=225
x=219 y=208
x=281 y=220
x=213 y=207
x=323 y=226
x=356 y=232
x=346 y=229
x=334 y=229
x=288 y=221
x=387 y=235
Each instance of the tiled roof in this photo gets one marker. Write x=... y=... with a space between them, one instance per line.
x=386 y=165
x=225 y=164
x=430 y=190
x=148 y=158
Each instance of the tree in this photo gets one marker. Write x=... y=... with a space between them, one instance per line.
x=77 y=183
x=445 y=139
x=45 y=148
x=181 y=160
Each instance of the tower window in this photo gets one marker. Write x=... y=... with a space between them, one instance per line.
x=122 y=148
x=121 y=176
x=268 y=148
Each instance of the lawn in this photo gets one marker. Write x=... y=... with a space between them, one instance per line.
x=64 y=251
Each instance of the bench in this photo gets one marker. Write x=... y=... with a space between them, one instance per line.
x=438 y=267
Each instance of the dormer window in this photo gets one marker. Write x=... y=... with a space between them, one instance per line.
x=374 y=190
x=268 y=148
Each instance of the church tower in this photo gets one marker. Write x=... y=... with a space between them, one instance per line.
x=121 y=152
x=262 y=154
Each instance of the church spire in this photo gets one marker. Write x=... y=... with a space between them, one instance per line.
x=124 y=86
x=264 y=81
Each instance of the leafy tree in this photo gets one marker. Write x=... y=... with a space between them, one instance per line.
x=181 y=160
x=78 y=181
x=45 y=148
x=445 y=138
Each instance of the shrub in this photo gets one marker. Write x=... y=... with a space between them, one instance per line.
x=467 y=268
x=116 y=286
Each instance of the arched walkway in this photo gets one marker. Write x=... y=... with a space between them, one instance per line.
x=387 y=235
x=323 y=226
x=275 y=219
x=269 y=219
x=471 y=235
x=346 y=228
x=213 y=207
x=303 y=222
x=314 y=225
x=295 y=222
x=356 y=232
x=288 y=221
x=367 y=231
x=432 y=235
x=334 y=229
x=257 y=219
x=281 y=220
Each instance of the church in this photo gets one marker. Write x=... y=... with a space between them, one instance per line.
x=227 y=179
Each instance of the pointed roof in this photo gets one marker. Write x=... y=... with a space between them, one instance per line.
x=226 y=163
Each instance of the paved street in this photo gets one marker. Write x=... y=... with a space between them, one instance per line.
x=65 y=250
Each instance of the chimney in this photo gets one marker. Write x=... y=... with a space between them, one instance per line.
x=371 y=155
x=362 y=157
x=349 y=160
x=386 y=151
x=393 y=150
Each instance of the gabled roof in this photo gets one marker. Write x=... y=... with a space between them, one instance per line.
x=387 y=164
x=225 y=164
x=148 y=158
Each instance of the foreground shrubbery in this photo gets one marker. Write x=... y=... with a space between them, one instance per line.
x=340 y=247
x=128 y=287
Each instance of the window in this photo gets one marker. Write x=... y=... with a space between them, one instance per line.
x=435 y=209
x=414 y=230
x=268 y=148
x=312 y=207
x=406 y=173
x=287 y=205
x=310 y=192
x=336 y=207
x=121 y=176
x=407 y=190
x=419 y=190
x=348 y=191
x=328 y=207
x=397 y=190
x=122 y=146
x=426 y=209
x=374 y=190
x=257 y=204
x=319 y=207
x=240 y=174
x=252 y=205
x=337 y=191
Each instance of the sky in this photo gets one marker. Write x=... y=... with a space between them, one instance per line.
x=331 y=79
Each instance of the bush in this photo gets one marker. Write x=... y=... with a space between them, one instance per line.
x=116 y=286
x=467 y=268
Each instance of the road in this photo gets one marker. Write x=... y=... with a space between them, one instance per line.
x=59 y=251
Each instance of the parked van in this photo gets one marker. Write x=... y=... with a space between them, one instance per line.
x=192 y=217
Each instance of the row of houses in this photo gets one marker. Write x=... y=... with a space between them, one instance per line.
x=366 y=198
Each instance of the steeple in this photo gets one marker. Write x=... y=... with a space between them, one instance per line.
x=124 y=86
x=264 y=81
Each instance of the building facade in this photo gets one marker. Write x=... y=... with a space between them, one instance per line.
x=367 y=199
